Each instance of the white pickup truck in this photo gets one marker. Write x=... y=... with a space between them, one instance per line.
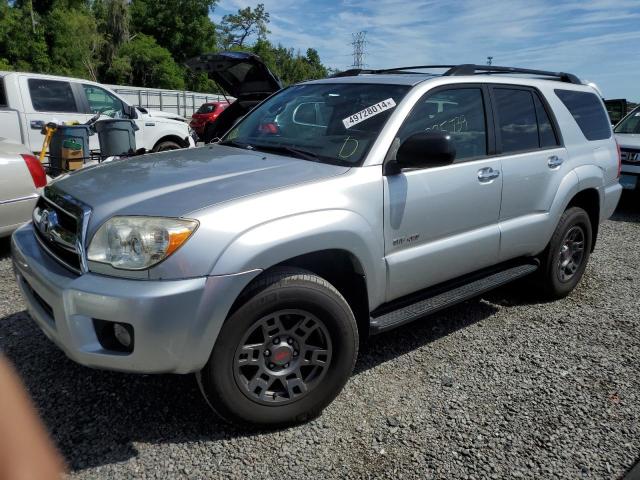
x=30 y=100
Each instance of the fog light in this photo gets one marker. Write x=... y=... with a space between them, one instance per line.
x=122 y=334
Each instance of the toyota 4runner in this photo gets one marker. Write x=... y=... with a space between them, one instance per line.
x=334 y=209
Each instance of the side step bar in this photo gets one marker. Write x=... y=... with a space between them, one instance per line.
x=440 y=300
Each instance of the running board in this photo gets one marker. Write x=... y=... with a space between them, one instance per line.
x=444 y=299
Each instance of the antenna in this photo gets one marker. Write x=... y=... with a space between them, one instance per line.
x=489 y=60
x=358 y=48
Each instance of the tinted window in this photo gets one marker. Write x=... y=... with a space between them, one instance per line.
x=546 y=133
x=588 y=112
x=516 y=119
x=101 y=101
x=51 y=96
x=458 y=111
x=3 y=96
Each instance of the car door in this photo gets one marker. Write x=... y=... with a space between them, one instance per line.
x=49 y=100
x=533 y=164
x=442 y=222
x=102 y=101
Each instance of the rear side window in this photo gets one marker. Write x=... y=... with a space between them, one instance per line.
x=523 y=122
x=588 y=112
x=52 y=96
x=3 y=96
x=546 y=134
x=516 y=119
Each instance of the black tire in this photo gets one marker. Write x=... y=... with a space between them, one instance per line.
x=166 y=145
x=288 y=295
x=558 y=281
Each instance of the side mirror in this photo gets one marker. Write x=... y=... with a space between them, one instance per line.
x=423 y=150
x=130 y=112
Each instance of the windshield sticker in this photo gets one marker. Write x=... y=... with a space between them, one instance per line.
x=368 y=112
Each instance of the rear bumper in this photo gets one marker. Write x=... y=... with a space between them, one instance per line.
x=610 y=201
x=175 y=323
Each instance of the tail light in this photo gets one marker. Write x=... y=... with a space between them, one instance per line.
x=269 y=128
x=35 y=169
x=619 y=158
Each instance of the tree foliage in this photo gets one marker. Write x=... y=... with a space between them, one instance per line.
x=238 y=28
x=138 y=42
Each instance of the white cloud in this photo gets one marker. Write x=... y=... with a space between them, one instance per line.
x=587 y=37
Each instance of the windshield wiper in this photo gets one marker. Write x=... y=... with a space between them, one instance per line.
x=303 y=154
x=233 y=143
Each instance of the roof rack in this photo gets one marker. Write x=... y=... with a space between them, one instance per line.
x=466 y=69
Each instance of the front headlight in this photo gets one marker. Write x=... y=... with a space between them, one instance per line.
x=137 y=243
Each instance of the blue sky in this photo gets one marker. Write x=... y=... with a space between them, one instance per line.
x=599 y=40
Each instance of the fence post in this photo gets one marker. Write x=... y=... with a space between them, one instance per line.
x=139 y=98
x=161 y=103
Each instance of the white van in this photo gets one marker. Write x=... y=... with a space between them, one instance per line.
x=30 y=100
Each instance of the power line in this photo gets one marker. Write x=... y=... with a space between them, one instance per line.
x=358 y=49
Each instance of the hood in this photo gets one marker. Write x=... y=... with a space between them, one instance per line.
x=240 y=74
x=178 y=182
x=160 y=114
x=628 y=140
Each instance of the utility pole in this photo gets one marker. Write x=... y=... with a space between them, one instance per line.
x=358 y=48
x=489 y=60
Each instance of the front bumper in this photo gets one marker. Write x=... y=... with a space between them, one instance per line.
x=175 y=323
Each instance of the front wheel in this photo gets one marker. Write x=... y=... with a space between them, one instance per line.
x=166 y=145
x=565 y=259
x=284 y=354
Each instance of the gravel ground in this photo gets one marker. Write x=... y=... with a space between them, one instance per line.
x=496 y=387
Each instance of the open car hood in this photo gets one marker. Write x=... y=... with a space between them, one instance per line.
x=240 y=74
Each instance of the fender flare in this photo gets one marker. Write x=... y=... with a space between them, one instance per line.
x=268 y=244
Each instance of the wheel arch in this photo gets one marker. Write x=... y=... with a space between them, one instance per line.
x=589 y=200
x=341 y=268
x=171 y=138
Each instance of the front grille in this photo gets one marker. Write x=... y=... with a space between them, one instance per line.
x=630 y=156
x=58 y=224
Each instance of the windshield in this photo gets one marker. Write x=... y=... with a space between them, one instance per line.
x=326 y=122
x=631 y=124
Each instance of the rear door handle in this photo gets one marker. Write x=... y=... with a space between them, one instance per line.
x=554 y=161
x=36 y=124
x=487 y=174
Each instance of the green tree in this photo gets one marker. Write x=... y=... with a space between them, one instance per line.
x=238 y=28
x=181 y=26
x=21 y=48
x=74 y=42
x=144 y=63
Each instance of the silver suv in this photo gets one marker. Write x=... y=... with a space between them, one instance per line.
x=335 y=209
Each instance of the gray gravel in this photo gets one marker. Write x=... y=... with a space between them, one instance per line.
x=497 y=387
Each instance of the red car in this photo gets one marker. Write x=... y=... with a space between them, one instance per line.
x=207 y=113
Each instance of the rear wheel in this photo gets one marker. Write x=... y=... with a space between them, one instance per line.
x=284 y=354
x=565 y=259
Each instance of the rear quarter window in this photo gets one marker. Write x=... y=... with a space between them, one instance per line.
x=588 y=112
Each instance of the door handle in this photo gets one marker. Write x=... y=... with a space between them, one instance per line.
x=487 y=174
x=36 y=124
x=554 y=161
